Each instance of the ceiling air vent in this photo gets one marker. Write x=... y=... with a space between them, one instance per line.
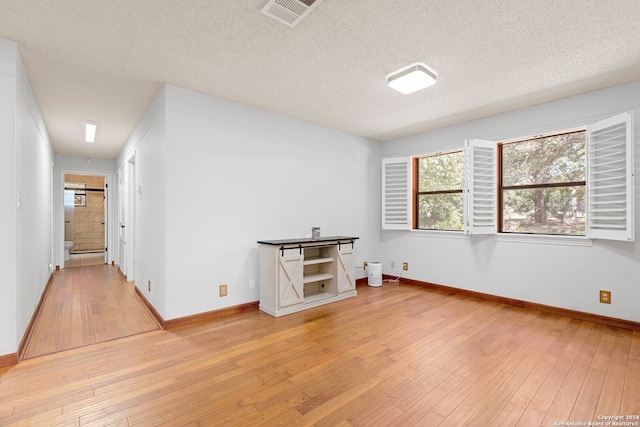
x=289 y=12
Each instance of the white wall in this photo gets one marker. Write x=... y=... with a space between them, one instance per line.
x=26 y=170
x=148 y=230
x=34 y=170
x=561 y=275
x=234 y=175
x=8 y=256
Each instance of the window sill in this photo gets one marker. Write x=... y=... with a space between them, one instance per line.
x=512 y=238
x=544 y=240
x=440 y=234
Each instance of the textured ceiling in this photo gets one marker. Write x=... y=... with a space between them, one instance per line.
x=106 y=60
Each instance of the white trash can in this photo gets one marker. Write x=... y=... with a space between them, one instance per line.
x=375 y=273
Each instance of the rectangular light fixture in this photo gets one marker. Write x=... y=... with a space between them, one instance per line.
x=90 y=131
x=412 y=79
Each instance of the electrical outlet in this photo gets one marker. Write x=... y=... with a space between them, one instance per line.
x=252 y=283
x=223 y=290
x=605 y=297
x=393 y=264
x=405 y=266
x=149 y=285
x=364 y=265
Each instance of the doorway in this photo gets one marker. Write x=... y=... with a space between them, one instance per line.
x=126 y=218
x=85 y=220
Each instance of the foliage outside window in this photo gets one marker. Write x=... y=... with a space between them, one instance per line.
x=542 y=185
x=439 y=200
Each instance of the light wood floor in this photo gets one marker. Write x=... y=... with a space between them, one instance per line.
x=393 y=356
x=87 y=305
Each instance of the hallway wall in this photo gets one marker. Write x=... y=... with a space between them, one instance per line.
x=8 y=256
x=26 y=170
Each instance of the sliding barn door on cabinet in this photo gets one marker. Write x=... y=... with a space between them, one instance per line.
x=346 y=270
x=290 y=284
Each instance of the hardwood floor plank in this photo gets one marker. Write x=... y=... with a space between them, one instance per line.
x=508 y=416
x=531 y=417
x=369 y=399
x=587 y=400
x=397 y=355
x=337 y=402
x=631 y=393
x=569 y=391
x=85 y=305
x=566 y=353
x=419 y=404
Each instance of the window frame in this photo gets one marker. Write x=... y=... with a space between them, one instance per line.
x=501 y=188
x=415 y=191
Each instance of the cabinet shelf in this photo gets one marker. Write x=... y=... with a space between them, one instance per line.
x=317 y=297
x=317 y=260
x=317 y=277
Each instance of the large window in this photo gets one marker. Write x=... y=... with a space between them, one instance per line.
x=574 y=183
x=438 y=197
x=542 y=185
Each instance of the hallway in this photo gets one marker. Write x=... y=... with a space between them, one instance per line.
x=87 y=305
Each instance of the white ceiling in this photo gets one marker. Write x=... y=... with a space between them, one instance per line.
x=106 y=60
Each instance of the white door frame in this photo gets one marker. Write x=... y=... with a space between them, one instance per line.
x=127 y=217
x=109 y=219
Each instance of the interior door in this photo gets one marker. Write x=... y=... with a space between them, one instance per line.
x=105 y=223
x=122 y=210
x=130 y=218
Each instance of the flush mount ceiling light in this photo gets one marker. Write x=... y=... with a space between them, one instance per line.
x=412 y=79
x=90 y=131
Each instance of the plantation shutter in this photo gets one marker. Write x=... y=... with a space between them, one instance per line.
x=480 y=187
x=396 y=194
x=610 y=171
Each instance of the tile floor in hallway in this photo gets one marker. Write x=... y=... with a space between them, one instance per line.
x=85 y=259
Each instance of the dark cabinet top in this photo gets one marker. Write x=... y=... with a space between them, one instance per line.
x=306 y=240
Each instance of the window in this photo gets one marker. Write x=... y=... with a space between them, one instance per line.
x=439 y=196
x=542 y=185
x=577 y=183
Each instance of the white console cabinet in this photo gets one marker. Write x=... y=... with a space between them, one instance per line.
x=297 y=274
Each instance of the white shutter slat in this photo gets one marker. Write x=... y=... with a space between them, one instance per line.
x=480 y=187
x=610 y=172
x=396 y=194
